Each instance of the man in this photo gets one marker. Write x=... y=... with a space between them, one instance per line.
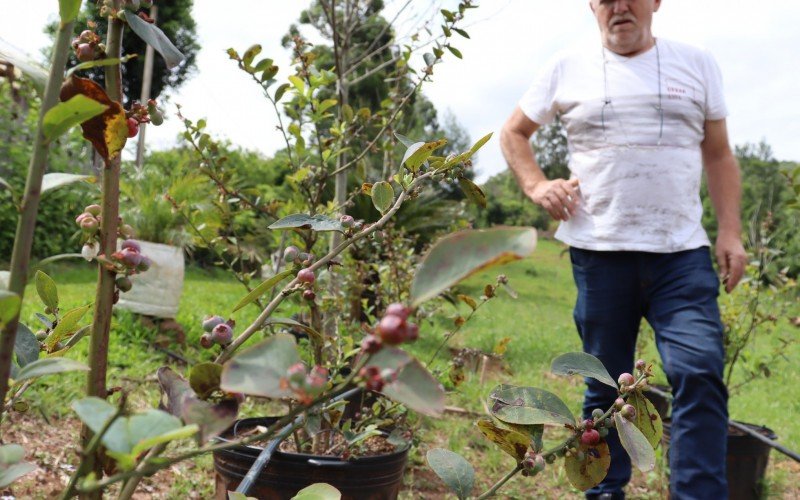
x=643 y=117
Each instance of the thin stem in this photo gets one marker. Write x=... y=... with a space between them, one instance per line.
x=129 y=488
x=23 y=239
x=104 y=297
x=491 y=491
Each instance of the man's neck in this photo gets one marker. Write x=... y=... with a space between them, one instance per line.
x=625 y=51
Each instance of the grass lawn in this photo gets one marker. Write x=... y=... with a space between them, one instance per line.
x=538 y=323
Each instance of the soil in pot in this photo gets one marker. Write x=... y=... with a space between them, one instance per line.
x=747 y=460
x=377 y=477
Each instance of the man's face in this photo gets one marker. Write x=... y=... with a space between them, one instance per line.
x=625 y=24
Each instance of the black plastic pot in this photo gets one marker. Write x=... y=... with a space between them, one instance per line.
x=746 y=461
x=368 y=478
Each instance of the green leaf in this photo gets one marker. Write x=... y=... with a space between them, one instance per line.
x=473 y=192
x=461 y=32
x=382 y=196
x=510 y=441
x=57 y=179
x=298 y=83
x=280 y=91
x=204 y=378
x=453 y=469
x=13 y=472
x=529 y=406
x=65 y=115
x=99 y=62
x=318 y=491
x=258 y=370
x=635 y=443
x=326 y=104
x=68 y=10
x=94 y=412
x=479 y=144
x=49 y=366
x=67 y=326
x=647 y=418
x=261 y=289
x=589 y=472
x=314 y=222
x=26 y=347
x=418 y=153
x=145 y=444
x=11 y=454
x=156 y=38
x=455 y=51
x=462 y=254
x=9 y=307
x=413 y=386
x=47 y=290
x=581 y=363
x=250 y=54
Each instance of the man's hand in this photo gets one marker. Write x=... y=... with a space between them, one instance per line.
x=731 y=259
x=559 y=197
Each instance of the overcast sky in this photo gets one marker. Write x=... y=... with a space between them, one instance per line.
x=757 y=46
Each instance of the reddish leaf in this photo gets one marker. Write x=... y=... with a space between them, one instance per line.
x=107 y=131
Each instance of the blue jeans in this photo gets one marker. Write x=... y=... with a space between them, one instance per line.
x=677 y=294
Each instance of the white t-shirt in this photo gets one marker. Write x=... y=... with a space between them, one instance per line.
x=639 y=174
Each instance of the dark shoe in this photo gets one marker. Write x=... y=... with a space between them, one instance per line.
x=606 y=496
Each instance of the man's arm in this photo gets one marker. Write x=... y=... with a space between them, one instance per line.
x=558 y=196
x=725 y=189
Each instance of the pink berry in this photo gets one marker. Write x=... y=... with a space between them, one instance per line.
x=309 y=295
x=412 y=332
x=209 y=322
x=290 y=253
x=93 y=209
x=619 y=403
x=84 y=52
x=222 y=334
x=398 y=309
x=132 y=245
x=133 y=127
x=641 y=365
x=205 y=341
x=347 y=220
x=626 y=379
x=371 y=344
x=306 y=275
x=590 y=437
x=628 y=411
x=588 y=424
x=392 y=329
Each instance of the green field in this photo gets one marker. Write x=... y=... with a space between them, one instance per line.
x=538 y=323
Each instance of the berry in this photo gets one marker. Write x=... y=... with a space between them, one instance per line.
x=603 y=432
x=93 y=209
x=297 y=373
x=317 y=378
x=628 y=411
x=144 y=265
x=205 y=341
x=84 y=52
x=398 y=309
x=133 y=127
x=619 y=403
x=392 y=329
x=371 y=344
x=347 y=221
x=222 y=334
x=412 y=332
x=588 y=424
x=538 y=463
x=130 y=258
x=309 y=295
x=306 y=275
x=209 y=322
x=132 y=245
x=89 y=224
x=156 y=115
x=626 y=379
x=590 y=437
x=290 y=253
x=126 y=231
x=86 y=36
x=123 y=283
x=597 y=413
x=641 y=365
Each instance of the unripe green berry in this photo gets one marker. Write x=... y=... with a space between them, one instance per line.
x=123 y=283
x=597 y=413
x=628 y=411
x=290 y=253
